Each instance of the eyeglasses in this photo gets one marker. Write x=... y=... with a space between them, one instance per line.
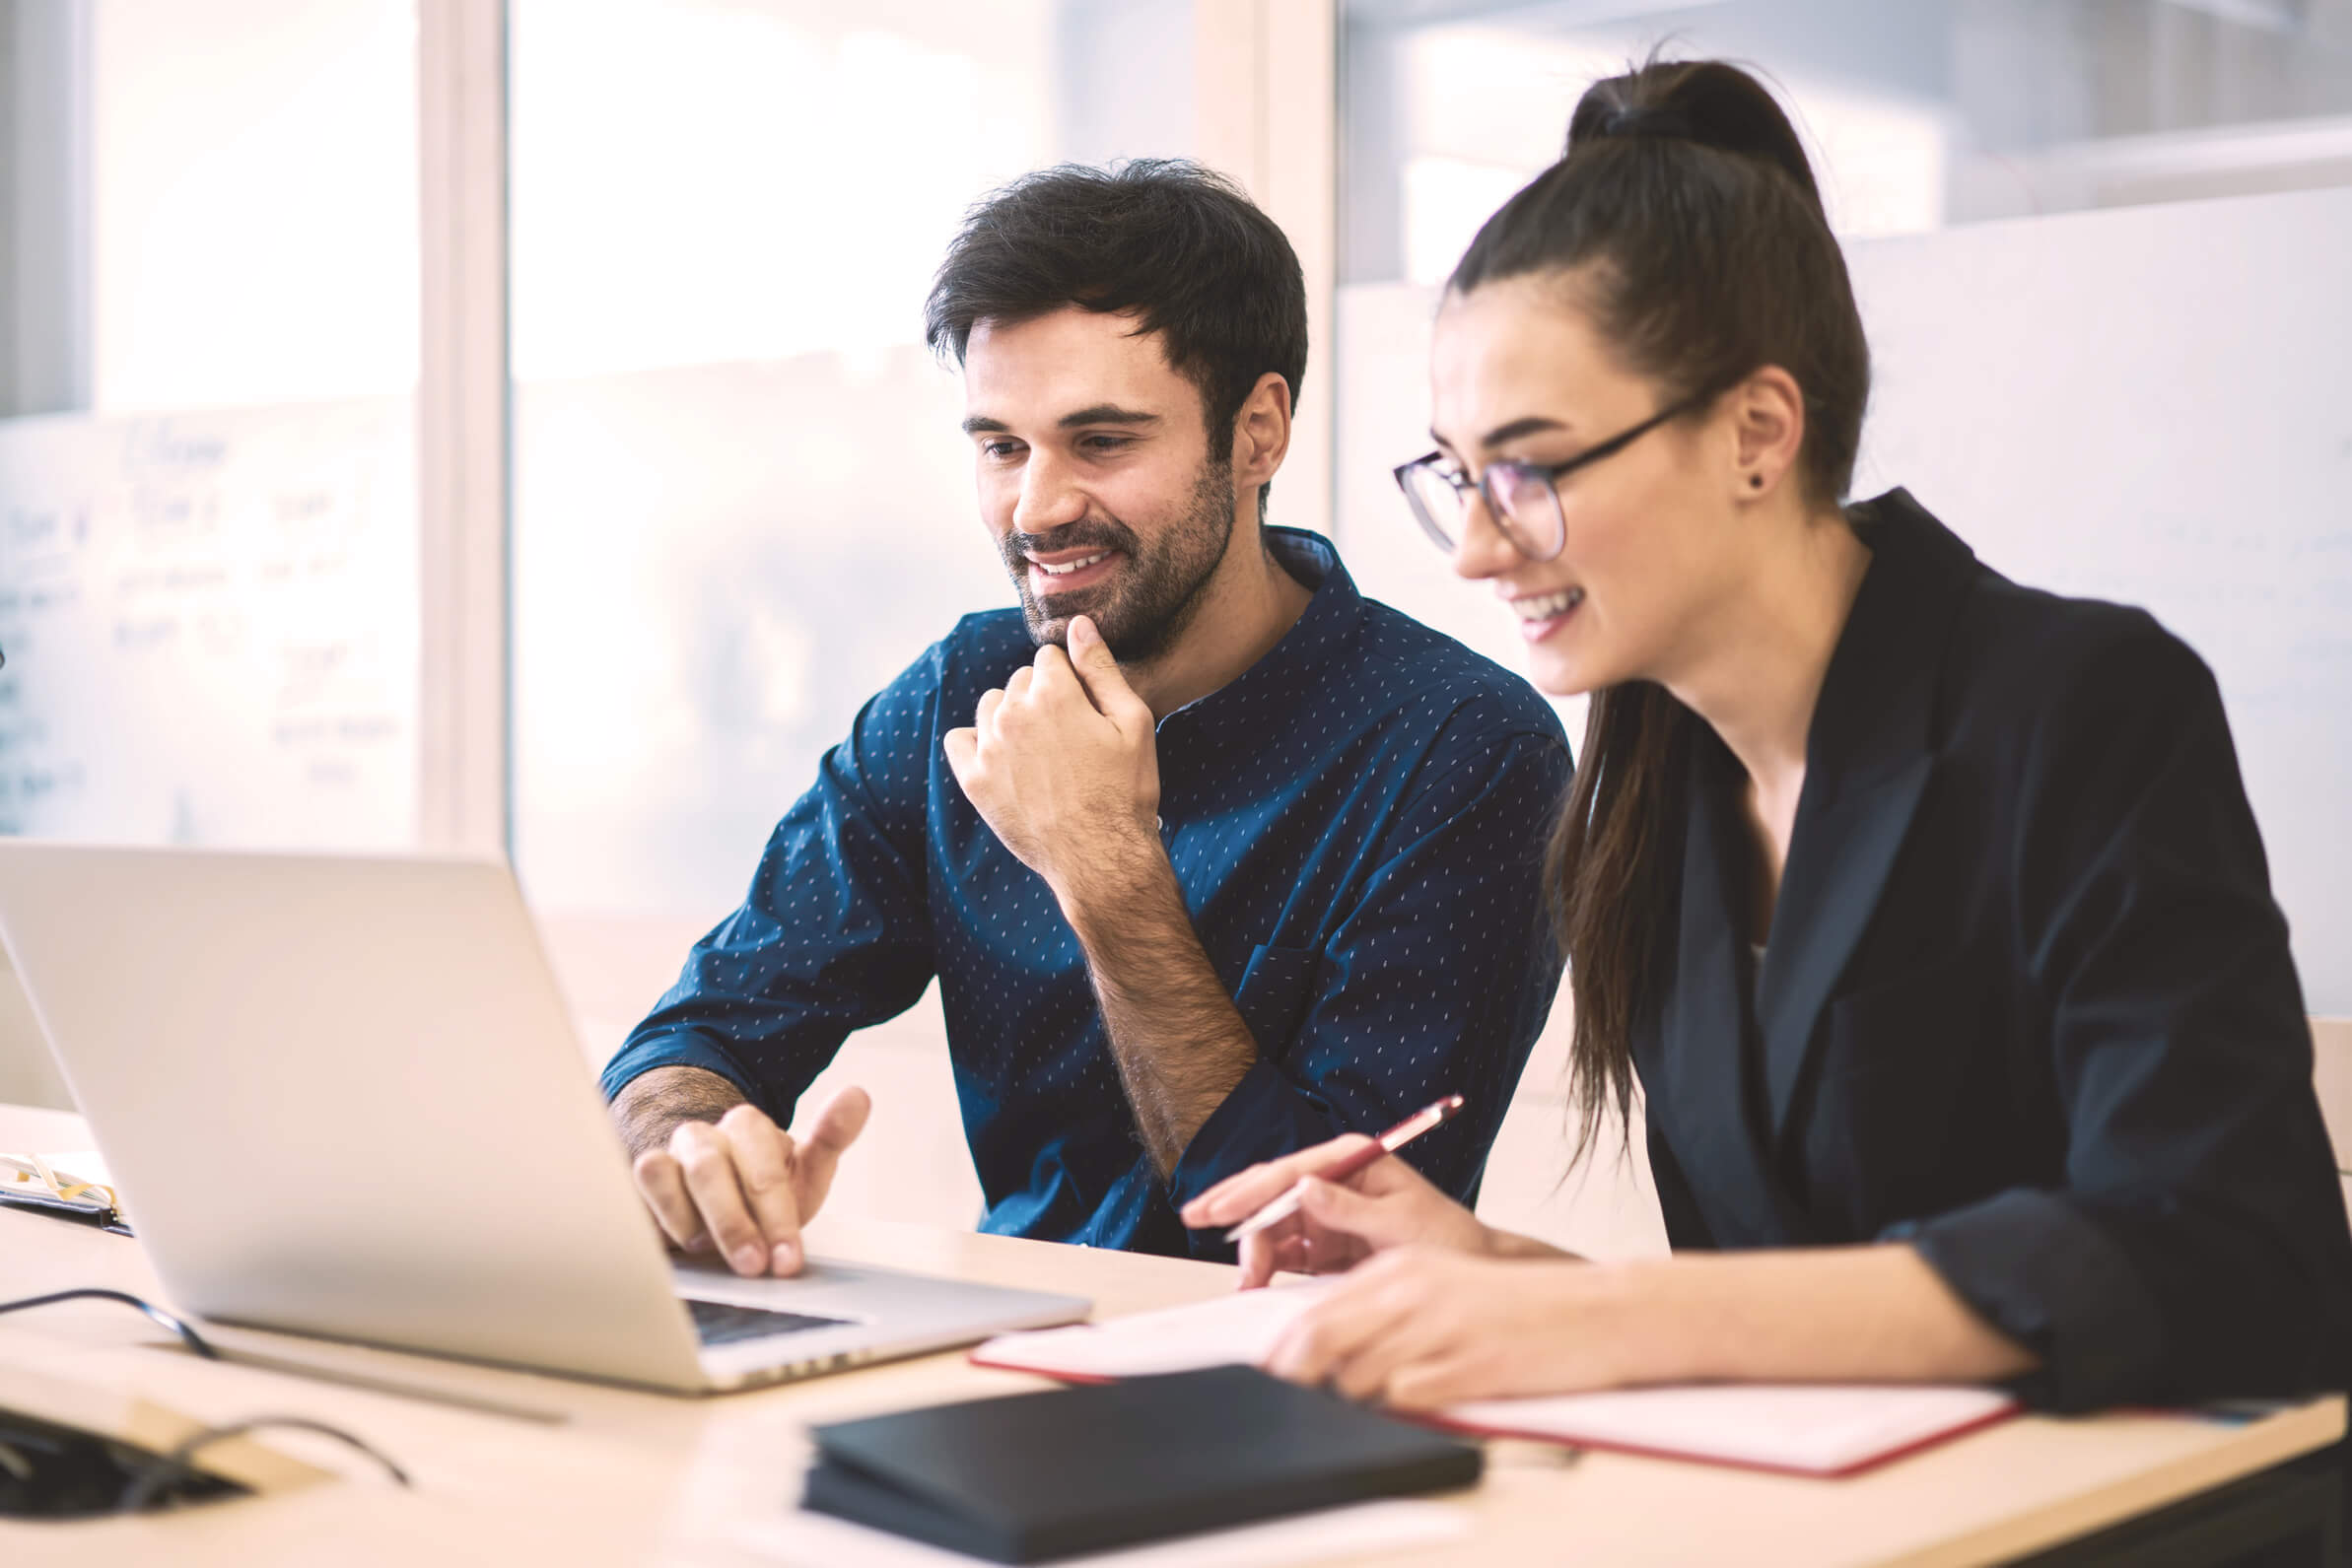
x=1522 y=498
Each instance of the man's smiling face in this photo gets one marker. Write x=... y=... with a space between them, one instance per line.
x=1096 y=476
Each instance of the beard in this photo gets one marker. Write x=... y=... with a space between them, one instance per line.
x=1160 y=585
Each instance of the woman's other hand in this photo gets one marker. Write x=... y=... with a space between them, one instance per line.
x=1386 y=1204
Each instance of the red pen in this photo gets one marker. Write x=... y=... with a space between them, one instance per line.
x=1395 y=1138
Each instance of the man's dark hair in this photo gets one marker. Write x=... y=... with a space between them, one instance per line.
x=1178 y=245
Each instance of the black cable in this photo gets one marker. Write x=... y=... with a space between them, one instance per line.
x=196 y=1341
x=141 y=1492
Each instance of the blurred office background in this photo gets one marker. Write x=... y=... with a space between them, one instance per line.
x=449 y=426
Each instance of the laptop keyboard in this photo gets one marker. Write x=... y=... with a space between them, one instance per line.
x=718 y=1323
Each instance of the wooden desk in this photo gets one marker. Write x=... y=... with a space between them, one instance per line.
x=581 y=1475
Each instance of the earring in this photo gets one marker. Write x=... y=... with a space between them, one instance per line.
x=1756 y=481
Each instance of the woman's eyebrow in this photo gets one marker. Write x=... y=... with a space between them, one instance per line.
x=1533 y=424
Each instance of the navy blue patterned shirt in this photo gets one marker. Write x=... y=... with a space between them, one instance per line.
x=1356 y=822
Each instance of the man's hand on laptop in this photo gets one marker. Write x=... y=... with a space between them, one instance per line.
x=725 y=1179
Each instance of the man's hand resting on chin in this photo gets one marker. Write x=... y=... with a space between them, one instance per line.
x=1062 y=763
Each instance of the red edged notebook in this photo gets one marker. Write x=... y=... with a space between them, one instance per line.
x=1820 y=1430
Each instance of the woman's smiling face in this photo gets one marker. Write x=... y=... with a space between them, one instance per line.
x=1519 y=372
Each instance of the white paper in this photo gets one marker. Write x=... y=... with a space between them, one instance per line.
x=1242 y=1327
x=1360 y=1530
x=19 y=1173
x=83 y=1165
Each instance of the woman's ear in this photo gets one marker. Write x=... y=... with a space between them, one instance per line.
x=1260 y=432
x=1767 y=432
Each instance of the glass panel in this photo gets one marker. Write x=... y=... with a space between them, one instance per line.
x=208 y=361
x=1923 y=114
x=742 y=499
x=1928 y=116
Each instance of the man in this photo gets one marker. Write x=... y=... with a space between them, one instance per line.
x=1213 y=858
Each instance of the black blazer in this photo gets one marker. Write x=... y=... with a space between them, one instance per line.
x=2027 y=1003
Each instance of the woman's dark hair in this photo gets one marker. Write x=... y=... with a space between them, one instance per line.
x=1182 y=247
x=1687 y=216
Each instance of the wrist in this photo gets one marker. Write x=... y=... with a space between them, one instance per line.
x=1113 y=877
x=1513 y=1247
x=658 y=1101
x=1665 y=1319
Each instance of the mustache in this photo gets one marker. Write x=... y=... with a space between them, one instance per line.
x=1086 y=533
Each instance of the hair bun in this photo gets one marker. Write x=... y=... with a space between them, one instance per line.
x=1667 y=124
x=1705 y=102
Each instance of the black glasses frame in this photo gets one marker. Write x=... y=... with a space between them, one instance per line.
x=1549 y=473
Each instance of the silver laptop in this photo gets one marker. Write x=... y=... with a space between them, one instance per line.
x=341 y=1097
x=27 y=1073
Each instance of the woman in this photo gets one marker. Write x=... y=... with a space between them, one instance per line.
x=1927 y=908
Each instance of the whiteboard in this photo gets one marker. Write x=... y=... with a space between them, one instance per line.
x=2151 y=405
x=211 y=627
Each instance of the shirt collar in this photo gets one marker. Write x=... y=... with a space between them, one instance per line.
x=1320 y=636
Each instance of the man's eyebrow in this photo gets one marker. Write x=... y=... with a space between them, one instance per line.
x=1098 y=414
x=1107 y=414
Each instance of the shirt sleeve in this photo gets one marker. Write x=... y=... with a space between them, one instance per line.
x=835 y=931
x=1436 y=983
x=2198 y=1248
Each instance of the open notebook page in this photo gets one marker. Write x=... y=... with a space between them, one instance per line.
x=1809 y=1428
x=1812 y=1429
x=1241 y=1326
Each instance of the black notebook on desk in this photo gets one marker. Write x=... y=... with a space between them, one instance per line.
x=1030 y=1477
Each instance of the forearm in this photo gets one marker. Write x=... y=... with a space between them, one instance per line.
x=1850 y=1313
x=1180 y=1046
x=656 y=1102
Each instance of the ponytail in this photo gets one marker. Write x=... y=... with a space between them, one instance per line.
x=1685 y=218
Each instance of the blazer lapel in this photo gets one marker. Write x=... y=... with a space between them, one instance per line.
x=1837 y=865
x=1868 y=762
x=1704 y=1071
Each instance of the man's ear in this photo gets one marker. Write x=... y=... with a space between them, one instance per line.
x=1260 y=432
x=1768 y=431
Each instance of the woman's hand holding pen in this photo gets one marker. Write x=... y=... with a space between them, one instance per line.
x=1443 y=1307
x=1386 y=1204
